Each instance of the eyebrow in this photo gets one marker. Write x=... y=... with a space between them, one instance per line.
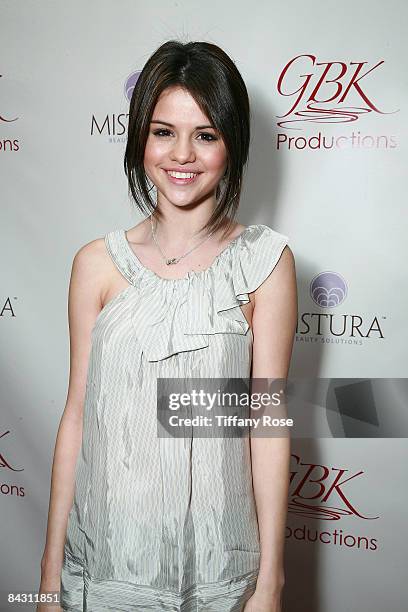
x=198 y=127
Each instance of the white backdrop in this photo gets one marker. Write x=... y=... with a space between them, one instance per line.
x=328 y=89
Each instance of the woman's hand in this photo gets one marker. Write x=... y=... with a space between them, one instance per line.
x=48 y=585
x=264 y=602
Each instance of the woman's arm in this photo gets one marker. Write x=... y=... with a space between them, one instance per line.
x=274 y=324
x=84 y=304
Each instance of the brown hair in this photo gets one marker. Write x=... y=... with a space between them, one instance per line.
x=213 y=80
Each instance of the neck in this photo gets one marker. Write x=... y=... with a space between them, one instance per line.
x=177 y=227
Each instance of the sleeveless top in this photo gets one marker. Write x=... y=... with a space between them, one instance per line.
x=156 y=523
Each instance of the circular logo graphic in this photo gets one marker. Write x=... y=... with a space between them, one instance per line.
x=130 y=84
x=328 y=289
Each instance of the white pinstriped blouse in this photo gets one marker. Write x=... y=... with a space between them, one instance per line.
x=165 y=524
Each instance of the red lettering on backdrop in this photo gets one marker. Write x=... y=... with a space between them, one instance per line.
x=314 y=485
x=3 y=462
x=336 y=74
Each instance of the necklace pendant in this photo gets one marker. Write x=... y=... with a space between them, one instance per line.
x=171 y=261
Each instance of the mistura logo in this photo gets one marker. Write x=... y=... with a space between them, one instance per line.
x=114 y=125
x=321 y=492
x=328 y=291
x=7 y=308
x=329 y=92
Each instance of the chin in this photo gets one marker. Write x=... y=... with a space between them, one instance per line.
x=182 y=204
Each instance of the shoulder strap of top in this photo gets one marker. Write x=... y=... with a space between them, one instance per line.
x=259 y=253
x=117 y=248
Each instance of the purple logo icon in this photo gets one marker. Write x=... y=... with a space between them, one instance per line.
x=328 y=289
x=130 y=84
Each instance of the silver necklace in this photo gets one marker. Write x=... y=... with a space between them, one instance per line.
x=173 y=260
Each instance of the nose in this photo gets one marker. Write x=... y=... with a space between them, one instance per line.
x=182 y=150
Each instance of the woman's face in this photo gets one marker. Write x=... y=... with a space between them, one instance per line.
x=181 y=139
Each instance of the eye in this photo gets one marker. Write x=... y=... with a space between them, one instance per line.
x=212 y=137
x=160 y=132
x=164 y=132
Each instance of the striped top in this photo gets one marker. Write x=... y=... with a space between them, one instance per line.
x=165 y=523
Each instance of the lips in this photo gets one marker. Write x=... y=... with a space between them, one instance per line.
x=181 y=181
x=190 y=170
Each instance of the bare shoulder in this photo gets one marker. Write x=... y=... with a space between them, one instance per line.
x=275 y=318
x=287 y=259
x=93 y=274
x=87 y=283
x=282 y=276
x=93 y=264
x=91 y=255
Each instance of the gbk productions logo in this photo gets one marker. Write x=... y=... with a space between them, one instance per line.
x=7 y=143
x=114 y=125
x=7 y=470
x=330 y=92
x=321 y=492
x=328 y=291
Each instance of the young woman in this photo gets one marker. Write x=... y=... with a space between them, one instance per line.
x=138 y=522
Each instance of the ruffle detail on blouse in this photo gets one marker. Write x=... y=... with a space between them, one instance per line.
x=180 y=314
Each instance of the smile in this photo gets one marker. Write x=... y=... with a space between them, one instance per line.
x=181 y=178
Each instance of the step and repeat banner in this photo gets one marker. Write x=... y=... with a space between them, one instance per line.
x=328 y=159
